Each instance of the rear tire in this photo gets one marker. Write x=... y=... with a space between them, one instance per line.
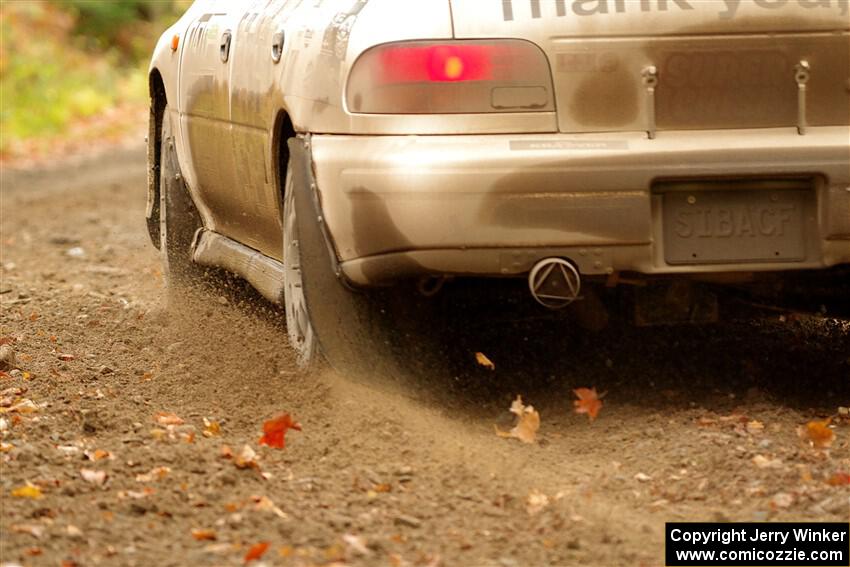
x=355 y=331
x=302 y=338
x=178 y=217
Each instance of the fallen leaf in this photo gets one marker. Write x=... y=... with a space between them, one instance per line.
x=204 y=535
x=167 y=418
x=5 y=447
x=93 y=477
x=382 y=487
x=355 y=543
x=528 y=422
x=33 y=551
x=754 y=427
x=781 y=500
x=482 y=360
x=265 y=504
x=763 y=462
x=28 y=491
x=211 y=428
x=839 y=479
x=225 y=452
x=818 y=434
x=136 y=494
x=23 y=406
x=642 y=477
x=256 y=551
x=29 y=529
x=97 y=454
x=274 y=431
x=246 y=459
x=536 y=502
x=73 y=531
x=156 y=473
x=588 y=402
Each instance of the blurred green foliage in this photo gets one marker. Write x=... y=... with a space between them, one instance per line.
x=66 y=60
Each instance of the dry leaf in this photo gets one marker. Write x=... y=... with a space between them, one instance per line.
x=482 y=360
x=246 y=459
x=274 y=431
x=167 y=418
x=97 y=454
x=204 y=535
x=839 y=479
x=642 y=477
x=23 y=406
x=211 y=428
x=763 y=462
x=536 y=502
x=355 y=543
x=29 y=529
x=264 y=504
x=28 y=491
x=157 y=473
x=225 y=452
x=754 y=427
x=588 y=402
x=257 y=550
x=93 y=477
x=818 y=434
x=528 y=422
x=5 y=447
x=781 y=500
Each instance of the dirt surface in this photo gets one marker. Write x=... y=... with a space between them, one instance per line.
x=698 y=423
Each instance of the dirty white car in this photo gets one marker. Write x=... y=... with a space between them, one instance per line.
x=327 y=149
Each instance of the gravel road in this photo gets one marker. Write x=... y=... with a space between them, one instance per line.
x=125 y=419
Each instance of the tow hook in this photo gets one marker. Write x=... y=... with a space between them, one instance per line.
x=554 y=283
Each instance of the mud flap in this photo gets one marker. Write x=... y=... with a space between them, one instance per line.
x=353 y=327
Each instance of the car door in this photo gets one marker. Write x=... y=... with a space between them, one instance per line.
x=254 y=100
x=205 y=114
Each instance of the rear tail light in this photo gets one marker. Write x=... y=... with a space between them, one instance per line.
x=467 y=76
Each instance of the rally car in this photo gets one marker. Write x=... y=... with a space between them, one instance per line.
x=326 y=150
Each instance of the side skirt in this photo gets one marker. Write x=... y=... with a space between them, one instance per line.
x=218 y=251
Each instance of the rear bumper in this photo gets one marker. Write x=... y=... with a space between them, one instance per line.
x=401 y=206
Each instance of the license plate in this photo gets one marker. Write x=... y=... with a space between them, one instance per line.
x=733 y=226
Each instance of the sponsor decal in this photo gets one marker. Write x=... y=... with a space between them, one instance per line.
x=727 y=9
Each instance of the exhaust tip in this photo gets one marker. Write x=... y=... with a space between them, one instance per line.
x=554 y=283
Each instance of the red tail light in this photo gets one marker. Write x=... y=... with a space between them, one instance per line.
x=450 y=77
x=422 y=63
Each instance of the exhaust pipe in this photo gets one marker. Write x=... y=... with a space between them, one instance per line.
x=554 y=283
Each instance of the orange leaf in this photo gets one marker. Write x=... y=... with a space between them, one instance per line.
x=167 y=418
x=839 y=479
x=588 y=402
x=257 y=550
x=482 y=360
x=28 y=491
x=818 y=433
x=527 y=423
x=274 y=431
x=204 y=535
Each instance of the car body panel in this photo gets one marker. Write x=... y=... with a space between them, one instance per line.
x=488 y=193
x=594 y=194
